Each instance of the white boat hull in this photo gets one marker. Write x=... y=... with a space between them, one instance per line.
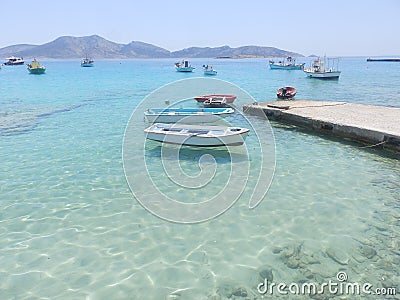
x=323 y=75
x=211 y=73
x=199 y=136
x=286 y=67
x=320 y=69
x=187 y=69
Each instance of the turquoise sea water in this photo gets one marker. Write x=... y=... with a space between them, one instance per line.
x=71 y=229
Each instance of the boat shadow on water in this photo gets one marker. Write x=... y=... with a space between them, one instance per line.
x=222 y=154
x=376 y=150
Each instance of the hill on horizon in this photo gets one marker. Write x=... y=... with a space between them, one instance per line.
x=67 y=47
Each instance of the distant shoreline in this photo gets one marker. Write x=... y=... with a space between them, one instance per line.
x=252 y=56
x=151 y=58
x=242 y=56
x=96 y=46
x=384 y=59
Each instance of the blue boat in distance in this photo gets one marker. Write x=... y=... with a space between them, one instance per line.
x=286 y=64
x=184 y=66
x=209 y=70
x=186 y=115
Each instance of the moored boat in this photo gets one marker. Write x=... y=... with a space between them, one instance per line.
x=87 y=62
x=186 y=115
x=184 y=66
x=228 y=98
x=14 y=61
x=287 y=92
x=319 y=69
x=209 y=70
x=197 y=135
x=286 y=64
x=35 y=68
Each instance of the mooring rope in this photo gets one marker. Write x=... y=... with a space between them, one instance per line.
x=370 y=146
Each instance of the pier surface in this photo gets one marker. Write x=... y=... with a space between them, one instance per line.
x=384 y=59
x=374 y=125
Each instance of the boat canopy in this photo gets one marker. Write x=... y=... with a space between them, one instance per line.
x=35 y=64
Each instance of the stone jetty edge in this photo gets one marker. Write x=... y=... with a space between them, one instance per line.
x=376 y=126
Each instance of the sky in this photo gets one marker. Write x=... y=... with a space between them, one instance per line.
x=320 y=27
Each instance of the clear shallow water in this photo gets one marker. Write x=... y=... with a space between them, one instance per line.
x=70 y=227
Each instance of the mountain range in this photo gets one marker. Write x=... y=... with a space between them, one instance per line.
x=95 y=46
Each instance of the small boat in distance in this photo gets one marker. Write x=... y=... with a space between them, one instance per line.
x=319 y=69
x=286 y=64
x=287 y=92
x=14 y=61
x=36 y=68
x=186 y=115
x=228 y=98
x=184 y=66
x=197 y=135
x=87 y=62
x=209 y=70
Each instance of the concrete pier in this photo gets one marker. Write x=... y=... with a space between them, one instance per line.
x=376 y=126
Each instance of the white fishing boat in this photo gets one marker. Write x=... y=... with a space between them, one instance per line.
x=184 y=66
x=87 y=62
x=14 y=61
x=186 y=115
x=286 y=64
x=197 y=135
x=323 y=69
